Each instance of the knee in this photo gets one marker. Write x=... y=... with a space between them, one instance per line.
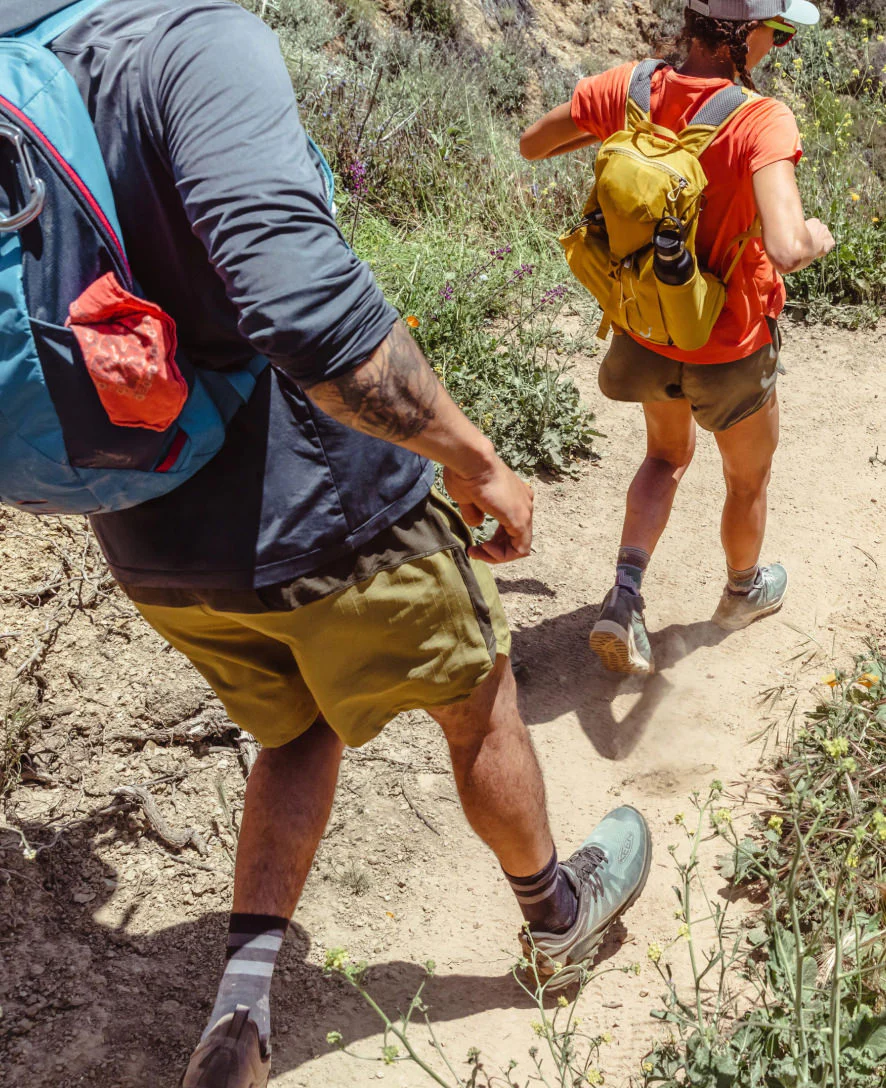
x=747 y=484
x=672 y=460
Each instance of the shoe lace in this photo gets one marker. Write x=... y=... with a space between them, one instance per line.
x=586 y=863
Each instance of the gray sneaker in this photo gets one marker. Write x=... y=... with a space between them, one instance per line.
x=619 y=636
x=608 y=872
x=737 y=610
x=231 y=1056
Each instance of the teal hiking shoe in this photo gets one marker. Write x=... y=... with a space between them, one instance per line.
x=608 y=873
x=737 y=610
x=619 y=636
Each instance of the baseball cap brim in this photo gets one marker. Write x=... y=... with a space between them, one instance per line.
x=800 y=13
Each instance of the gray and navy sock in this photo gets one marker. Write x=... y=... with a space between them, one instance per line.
x=630 y=567
x=742 y=581
x=547 y=899
x=253 y=943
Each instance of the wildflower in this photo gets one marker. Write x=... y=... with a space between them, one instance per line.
x=852 y=859
x=521 y=272
x=606 y=1037
x=551 y=296
x=647 y=1067
x=683 y=931
x=653 y=952
x=355 y=175
x=848 y=765
x=879 y=822
x=594 y=1076
x=868 y=679
x=412 y=321
x=679 y=818
x=831 y=680
x=716 y=786
x=775 y=824
x=856 y=71
x=875 y=219
x=389 y=1054
x=562 y=1002
x=798 y=62
x=634 y=968
x=538 y=1028
x=446 y=293
x=839 y=746
x=836 y=19
x=722 y=816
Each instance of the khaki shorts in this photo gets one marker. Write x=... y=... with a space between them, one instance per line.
x=719 y=394
x=419 y=632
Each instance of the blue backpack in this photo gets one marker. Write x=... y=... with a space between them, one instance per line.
x=98 y=411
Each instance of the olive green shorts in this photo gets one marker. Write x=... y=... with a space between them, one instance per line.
x=719 y=394
x=421 y=630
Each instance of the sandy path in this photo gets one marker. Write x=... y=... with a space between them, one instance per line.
x=604 y=740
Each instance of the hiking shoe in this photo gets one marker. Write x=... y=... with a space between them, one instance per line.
x=737 y=610
x=608 y=873
x=231 y=1056
x=619 y=636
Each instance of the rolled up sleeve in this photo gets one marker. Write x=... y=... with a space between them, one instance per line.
x=226 y=118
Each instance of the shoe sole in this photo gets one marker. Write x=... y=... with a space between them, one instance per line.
x=567 y=975
x=617 y=648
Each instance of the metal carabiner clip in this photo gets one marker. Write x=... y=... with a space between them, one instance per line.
x=34 y=186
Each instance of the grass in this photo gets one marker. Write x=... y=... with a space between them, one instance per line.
x=17 y=720
x=799 y=998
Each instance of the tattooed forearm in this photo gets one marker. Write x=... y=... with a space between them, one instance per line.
x=392 y=395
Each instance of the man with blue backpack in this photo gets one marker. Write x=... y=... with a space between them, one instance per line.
x=192 y=355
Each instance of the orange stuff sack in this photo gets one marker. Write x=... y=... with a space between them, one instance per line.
x=128 y=347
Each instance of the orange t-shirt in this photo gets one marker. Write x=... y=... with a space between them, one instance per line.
x=763 y=133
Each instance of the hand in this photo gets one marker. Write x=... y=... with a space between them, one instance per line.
x=499 y=492
x=821 y=236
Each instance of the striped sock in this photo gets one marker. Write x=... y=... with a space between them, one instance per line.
x=253 y=943
x=547 y=899
x=741 y=581
x=630 y=568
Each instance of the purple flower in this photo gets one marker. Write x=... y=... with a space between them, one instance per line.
x=501 y=253
x=554 y=294
x=355 y=175
x=447 y=292
x=521 y=272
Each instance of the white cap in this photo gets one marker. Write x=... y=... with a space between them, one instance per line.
x=796 y=12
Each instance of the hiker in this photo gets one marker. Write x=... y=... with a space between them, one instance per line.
x=310 y=572
x=727 y=385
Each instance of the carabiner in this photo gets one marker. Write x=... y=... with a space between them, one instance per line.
x=36 y=189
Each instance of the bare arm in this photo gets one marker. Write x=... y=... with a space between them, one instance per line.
x=791 y=241
x=554 y=134
x=396 y=396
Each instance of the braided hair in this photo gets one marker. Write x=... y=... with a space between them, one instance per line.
x=719 y=36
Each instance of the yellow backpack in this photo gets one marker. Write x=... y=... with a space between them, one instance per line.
x=645 y=174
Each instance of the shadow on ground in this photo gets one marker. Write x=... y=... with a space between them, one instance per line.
x=558 y=674
x=87 y=1002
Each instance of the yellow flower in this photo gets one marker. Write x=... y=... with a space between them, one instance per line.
x=654 y=952
x=722 y=816
x=856 y=71
x=836 y=19
x=683 y=931
x=412 y=321
x=831 y=680
x=798 y=62
x=537 y=1027
x=855 y=197
x=562 y=1002
x=647 y=1067
x=775 y=824
x=868 y=679
x=606 y=1037
x=594 y=1076
x=679 y=818
x=839 y=746
x=875 y=219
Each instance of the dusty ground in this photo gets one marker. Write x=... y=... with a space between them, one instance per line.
x=111 y=941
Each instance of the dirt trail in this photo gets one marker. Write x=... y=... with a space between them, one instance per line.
x=112 y=946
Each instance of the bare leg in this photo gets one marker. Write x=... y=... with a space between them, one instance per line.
x=288 y=799
x=747 y=450
x=670 y=444
x=497 y=774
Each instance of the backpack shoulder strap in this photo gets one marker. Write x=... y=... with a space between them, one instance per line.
x=640 y=90
x=48 y=29
x=718 y=111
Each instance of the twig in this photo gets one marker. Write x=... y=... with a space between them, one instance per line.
x=189 y=836
x=411 y=804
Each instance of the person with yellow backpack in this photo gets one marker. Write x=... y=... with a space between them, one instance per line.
x=694 y=216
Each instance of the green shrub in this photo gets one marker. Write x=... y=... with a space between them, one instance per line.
x=437 y=17
x=507 y=71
